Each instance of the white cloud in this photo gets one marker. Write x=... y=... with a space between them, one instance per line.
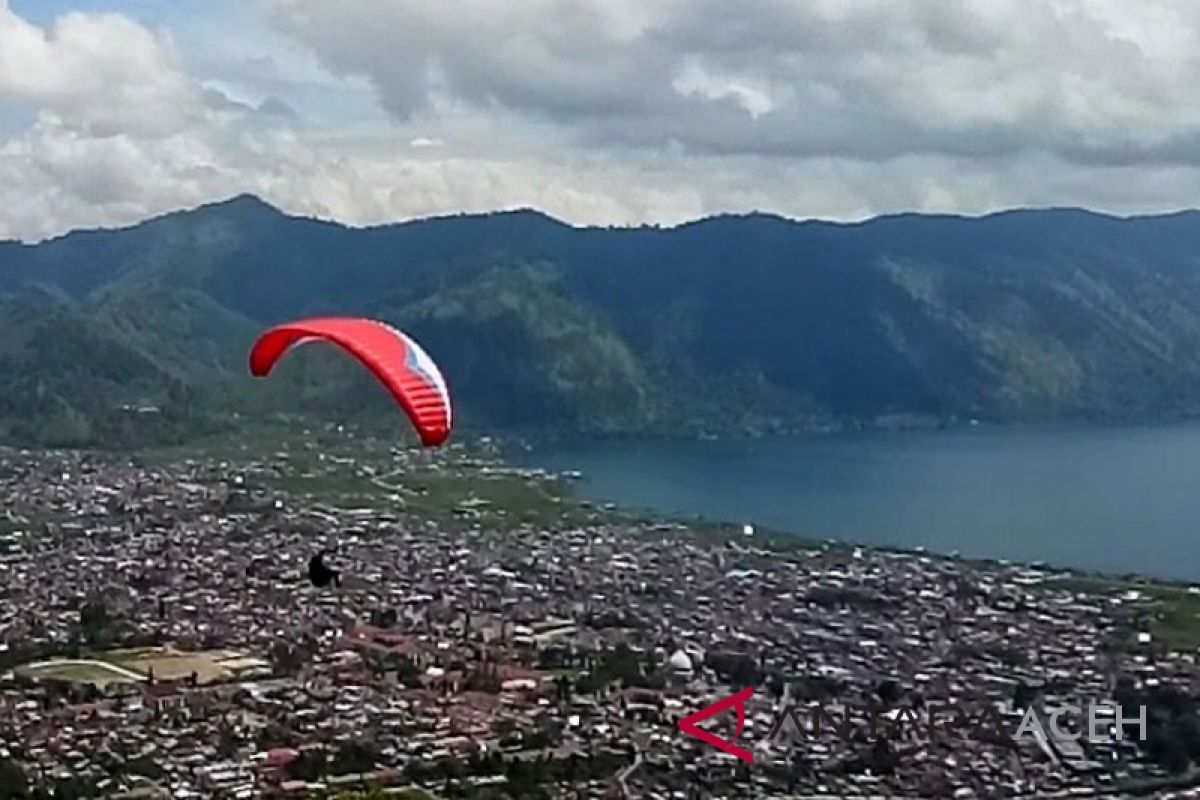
x=426 y=142
x=99 y=74
x=1107 y=82
x=602 y=112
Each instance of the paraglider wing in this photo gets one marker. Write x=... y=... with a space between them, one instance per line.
x=398 y=362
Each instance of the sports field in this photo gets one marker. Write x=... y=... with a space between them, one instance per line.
x=97 y=673
x=171 y=665
x=134 y=666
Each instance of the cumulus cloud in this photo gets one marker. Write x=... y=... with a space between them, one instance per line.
x=100 y=75
x=1095 y=81
x=601 y=112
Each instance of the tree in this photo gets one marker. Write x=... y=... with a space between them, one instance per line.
x=74 y=788
x=1023 y=695
x=13 y=783
x=523 y=779
x=227 y=741
x=384 y=618
x=407 y=672
x=883 y=758
x=308 y=766
x=96 y=623
x=353 y=757
x=888 y=692
x=620 y=664
x=275 y=735
x=147 y=767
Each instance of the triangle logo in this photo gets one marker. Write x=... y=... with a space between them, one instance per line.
x=688 y=724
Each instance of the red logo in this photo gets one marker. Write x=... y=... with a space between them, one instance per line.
x=688 y=724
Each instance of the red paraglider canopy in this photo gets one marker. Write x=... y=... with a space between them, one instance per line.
x=395 y=359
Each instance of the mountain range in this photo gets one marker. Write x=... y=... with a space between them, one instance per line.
x=727 y=324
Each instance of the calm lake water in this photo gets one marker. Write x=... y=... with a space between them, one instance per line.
x=1113 y=500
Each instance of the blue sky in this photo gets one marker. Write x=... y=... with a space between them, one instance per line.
x=597 y=111
x=44 y=11
x=229 y=44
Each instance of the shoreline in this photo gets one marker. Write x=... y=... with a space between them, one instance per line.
x=1091 y=500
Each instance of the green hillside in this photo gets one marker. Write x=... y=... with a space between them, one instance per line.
x=734 y=322
x=532 y=354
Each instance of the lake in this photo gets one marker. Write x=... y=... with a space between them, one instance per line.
x=1112 y=500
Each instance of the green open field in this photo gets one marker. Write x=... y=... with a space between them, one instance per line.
x=170 y=665
x=1176 y=620
x=96 y=673
x=456 y=487
x=132 y=666
x=1173 y=620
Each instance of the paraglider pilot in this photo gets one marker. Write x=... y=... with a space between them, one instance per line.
x=320 y=574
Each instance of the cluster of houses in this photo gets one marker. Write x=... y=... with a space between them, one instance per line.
x=484 y=658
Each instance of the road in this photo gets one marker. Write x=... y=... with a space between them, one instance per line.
x=624 y=774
